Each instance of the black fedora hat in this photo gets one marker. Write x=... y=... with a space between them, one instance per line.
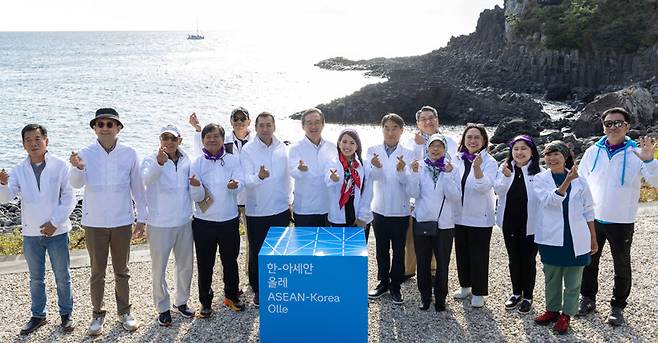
x=105 y=113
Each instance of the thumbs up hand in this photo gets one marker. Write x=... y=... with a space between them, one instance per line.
x=401 y=163
x=194 y=181
x=375 y=161
x=263 y=173
x=301 y=166
x=232 y=184
x=333 y=177
x=76 y=161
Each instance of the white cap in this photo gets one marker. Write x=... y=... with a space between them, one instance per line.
x=170 y=128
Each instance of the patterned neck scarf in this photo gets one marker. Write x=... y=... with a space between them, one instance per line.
x=436 y=167
x=351 y=179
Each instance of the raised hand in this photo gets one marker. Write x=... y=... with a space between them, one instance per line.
x=263 y=173
x=162 y=156
x=418 y=138
x=449 y=168
x=375 y=161
x=647 y=149
x=401 y=163
x=4 y=177
x=415 y=166
x=477 y=162
x=194 y=181
x=47 y=229
x=572 y=174
x=194 y=121
x=506 y=171
x=301 y=166
x=334 y=176
x=232 y=184
x=76 y=161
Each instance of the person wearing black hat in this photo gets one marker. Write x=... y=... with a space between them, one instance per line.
x=110 y=174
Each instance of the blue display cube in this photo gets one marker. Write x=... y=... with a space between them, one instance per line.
x=313 y=285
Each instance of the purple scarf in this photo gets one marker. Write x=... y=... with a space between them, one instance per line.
x=212 y=157
x=614 y=148
x=439 y=164
x=466 y=155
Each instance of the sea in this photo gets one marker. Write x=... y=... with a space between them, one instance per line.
x=59 y=79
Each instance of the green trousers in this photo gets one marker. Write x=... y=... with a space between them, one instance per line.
x=562 y=286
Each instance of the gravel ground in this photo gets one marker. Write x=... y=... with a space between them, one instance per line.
x=388 y=322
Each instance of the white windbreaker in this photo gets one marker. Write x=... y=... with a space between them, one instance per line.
x=434 y=199
x=214 y=176
x=390 y=197
x=478 y=207
x=362 y=196
x=309 y=197
x=502 y=186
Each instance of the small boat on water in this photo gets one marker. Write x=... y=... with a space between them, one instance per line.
x=197 y=35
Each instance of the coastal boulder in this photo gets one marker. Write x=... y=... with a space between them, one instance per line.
x=509 y=128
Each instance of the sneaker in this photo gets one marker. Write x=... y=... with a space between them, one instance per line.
x=586 y=306
x=562 y=324
x=164 y=319
x=525 y=306
x=616 y=317
x=96 y=326
x=256 y=301
x=67 y=324
x=206 y=312
x=33 y=324
x=185 y=311
x=397 y=297
x=513 y=302
x=380 y=290
x=234 y=305
x=477 y=301
x=547 y=317
x=128 y=322
x=462 y=293
x=424 y=305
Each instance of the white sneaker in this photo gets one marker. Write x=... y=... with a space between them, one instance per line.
x=462 y=293
x=96 y=326
x=477 y=301
x=128 y=322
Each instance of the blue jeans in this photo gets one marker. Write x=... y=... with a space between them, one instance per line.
x=34 y=249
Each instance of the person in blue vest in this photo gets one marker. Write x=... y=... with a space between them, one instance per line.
x=613 y=168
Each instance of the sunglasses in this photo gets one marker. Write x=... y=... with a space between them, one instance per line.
x=101 y=124
x=239 y=119
x=478 y=125
x=614 y=123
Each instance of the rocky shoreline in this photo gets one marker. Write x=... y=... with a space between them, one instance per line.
x=10 y=216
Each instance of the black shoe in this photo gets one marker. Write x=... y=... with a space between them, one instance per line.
x=513 y=302
x=235 y=305
x=525 y=306
x=184 y=311
x=397 y=297
x=616 y=317
x=206 y=312
x=67 y=324
x=424 y=305
x=256 y=301
x=33 y=324
x=439 y=305
x=586 y=306
x=408 y=277
x=164 y=319
x=380 y=290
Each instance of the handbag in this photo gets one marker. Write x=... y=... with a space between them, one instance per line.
x=430 y=228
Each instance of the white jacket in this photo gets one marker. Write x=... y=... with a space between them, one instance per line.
x=214 y=176
x=430 y=197
x=54 y=202
x=272 y=195
x=112 y=181
x=362 y=197
x=168 y=201
x=550 y=230
x=502 y=186
x=478 y=207
x=616 y=201
x=390 y=197
x=309 y=198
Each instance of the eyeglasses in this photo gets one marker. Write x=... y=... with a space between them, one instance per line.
x=239 y=119
x=614 y=123
x=101 y=124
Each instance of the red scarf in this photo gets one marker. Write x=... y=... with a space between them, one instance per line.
x=351 y=177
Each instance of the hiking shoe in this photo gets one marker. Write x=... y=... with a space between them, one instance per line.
x=525 y=306
x=33 y=324
x=206 y=312
x=67 y=324
x=462 y=293
x=477 y=301
x=234 y=305
x=397 y=297
x=616 y=317
x=513 y=302
x=586 y=306
x=96 y=326
x=380 y=290
x=562 y=324
x=128 y=322
x=547 y=317
x=185 y=311
x=164 y=319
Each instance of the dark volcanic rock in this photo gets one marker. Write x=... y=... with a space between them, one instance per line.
x=509 y=128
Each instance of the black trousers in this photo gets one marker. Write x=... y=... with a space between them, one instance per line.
x=472 y=251
x=311 y=220
x=620 y=237
x=522 y=255
x=257 y=228
x=208 y=236
x=426 y=247
x=390 y=232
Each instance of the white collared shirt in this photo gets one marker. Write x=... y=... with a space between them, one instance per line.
x=53 y=201
x=214 y=176
x=309 y=198
x=111 y=181
x=390 y=197
x=273 y=194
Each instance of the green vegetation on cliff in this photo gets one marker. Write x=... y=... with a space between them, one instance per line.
x=592 y=25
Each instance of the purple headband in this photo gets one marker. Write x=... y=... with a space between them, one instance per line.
x=524 y=138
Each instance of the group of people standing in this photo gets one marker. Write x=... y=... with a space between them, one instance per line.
x=418 y=196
